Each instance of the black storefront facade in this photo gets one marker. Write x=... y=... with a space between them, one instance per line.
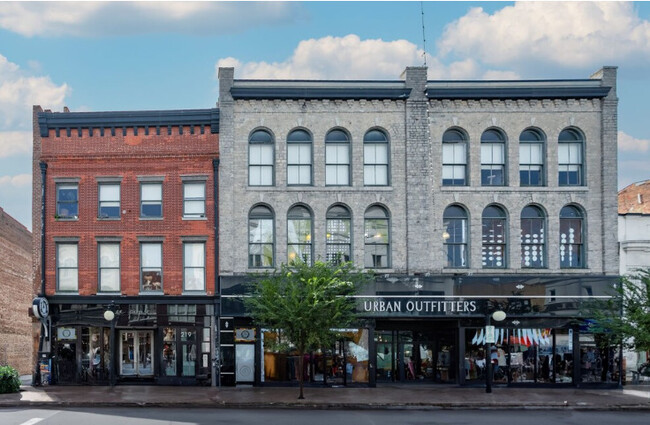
x=432 y=329
x=149 y=340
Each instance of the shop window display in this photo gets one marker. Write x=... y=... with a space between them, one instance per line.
x=597 y=364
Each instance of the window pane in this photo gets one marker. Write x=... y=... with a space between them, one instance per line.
x=448 y=153
x=68 y=280
x=151 y=192
x=67 y=255
x=109 y=255
x=293 y=174
x=381 y=154
x=67 y=192
x=151 y=210
x=151 y=255
x=376 y=256
x=305 y=174
x=369 y=154
x=194 y=190
x=109 y=192
x=376 y=231
x=194 y=279
x=459 y=153
x=110 y=280
x=563 y=153
x=266 y=176
x=254 y=175
x=338 y=230
x=293 y=154
x=196 y=208
x=194 y=255
x=536 y=153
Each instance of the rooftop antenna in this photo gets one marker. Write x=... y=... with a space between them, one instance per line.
x=424 y=38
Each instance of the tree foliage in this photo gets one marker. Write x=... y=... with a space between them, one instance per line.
x=307 y=303
x=625 y=318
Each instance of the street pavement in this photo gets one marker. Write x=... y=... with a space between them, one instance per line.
x=385 y=396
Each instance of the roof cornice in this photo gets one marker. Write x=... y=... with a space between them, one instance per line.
x=524 y=89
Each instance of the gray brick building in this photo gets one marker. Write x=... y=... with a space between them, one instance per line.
x=464 y=197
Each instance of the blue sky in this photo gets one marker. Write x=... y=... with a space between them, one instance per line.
x=164 y=55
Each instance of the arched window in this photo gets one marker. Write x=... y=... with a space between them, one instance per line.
x=571 y=237
x=375 y=158
x=299 y=233
x=337 y=158
x=260 y=159
x=531 y=158
x=454 y=235
x=377 y=238
x=494 y=237
x=454 y=158
x=299 y=158
x=533 y=237
x=339 y=237
x=493 y=159
x=570 y=154
x=261 y=237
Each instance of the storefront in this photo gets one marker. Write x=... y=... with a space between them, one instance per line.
x=433 y=330
x=167 y=344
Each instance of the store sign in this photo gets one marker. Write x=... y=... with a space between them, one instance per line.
x=41 y=307
x=419 y=306
x=66 y=333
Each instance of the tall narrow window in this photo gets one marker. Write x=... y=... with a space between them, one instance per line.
x=339 y=238
x=375 y=158
x=194 y=199
x=67 y=201
x=194 y=266
x=533 y=237
x=109 y=267
x=299 y=233
x=260 y=159
x=493 y=250
x=337 y=158
x=67 y=267
x=570 y=150
x=299 y=158
x=151 y=200
x=109 y=200
x=571 y=238
x=493 y=159
x=151 y=270
x=454 y=158
x=454 y=235
x=260 y=237
x=531 y=158
x=377 y=238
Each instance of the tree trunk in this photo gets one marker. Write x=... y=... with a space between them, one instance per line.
x=301 y=357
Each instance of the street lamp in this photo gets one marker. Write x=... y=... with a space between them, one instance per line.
x=498 y=316
x=109 y=316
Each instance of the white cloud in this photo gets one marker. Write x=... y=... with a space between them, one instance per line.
x=19 y=91
x=17 y=181
x=627 y=143
x=568 y=34
x=123 y=18
x=350 y=57
x=15 y=143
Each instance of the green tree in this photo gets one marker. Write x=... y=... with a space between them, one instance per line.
x=307 y=303
x=625 y=318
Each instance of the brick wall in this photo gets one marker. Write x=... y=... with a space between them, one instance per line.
x=15 y=286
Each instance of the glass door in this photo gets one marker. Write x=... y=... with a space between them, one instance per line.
x=136 y=349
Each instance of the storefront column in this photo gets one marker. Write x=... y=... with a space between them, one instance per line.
x=577 y=376
x=372 y=356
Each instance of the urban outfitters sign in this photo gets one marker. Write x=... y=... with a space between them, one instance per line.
x=419 y=306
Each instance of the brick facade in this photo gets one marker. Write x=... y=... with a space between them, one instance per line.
x=15 y=285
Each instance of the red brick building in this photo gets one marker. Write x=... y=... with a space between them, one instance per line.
x=16 y=289
x=128 y=222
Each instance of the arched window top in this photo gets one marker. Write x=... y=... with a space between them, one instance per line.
x=454 y=211
x=338 y=211
x=260 y=136
x=571 y=211
x=376 y=211
x=532 y=211
x=570 y=135
x=375 y=136
x=494 y=211
x=261 y=211
x=453 y=136
x=299 y=136
x=299 y=211
x=531 y=135
x=492 y=136
x=337 y=136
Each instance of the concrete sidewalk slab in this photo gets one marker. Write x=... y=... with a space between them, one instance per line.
x=419 y=397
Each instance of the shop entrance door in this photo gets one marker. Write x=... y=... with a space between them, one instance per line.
x=136 y=349
x=414 y=356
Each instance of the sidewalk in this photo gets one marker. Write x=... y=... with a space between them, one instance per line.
x=423 y=397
